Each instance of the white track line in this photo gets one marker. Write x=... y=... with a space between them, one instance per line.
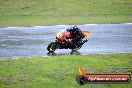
x=62 y=25
x=127 y=23
x=12 y=27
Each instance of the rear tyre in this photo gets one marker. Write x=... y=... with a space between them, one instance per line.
x=52 y=47
x=77 y=48
x=75 y=53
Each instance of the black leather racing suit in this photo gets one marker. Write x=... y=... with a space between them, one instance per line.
x=76 y=35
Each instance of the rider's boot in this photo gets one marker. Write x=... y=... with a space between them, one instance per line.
x=83 y=41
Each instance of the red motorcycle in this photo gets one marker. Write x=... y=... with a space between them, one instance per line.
x=60 y=44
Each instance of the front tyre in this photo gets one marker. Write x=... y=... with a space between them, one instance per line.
x=52 y=47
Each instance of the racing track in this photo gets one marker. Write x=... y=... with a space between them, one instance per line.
x=17 y=42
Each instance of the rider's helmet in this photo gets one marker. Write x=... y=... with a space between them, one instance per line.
x=73 y=29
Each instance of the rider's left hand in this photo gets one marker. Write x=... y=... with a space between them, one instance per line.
x=69 y=41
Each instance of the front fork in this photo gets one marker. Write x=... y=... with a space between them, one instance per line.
x=57 y=44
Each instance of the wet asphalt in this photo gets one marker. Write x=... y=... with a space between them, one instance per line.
x=19 y=42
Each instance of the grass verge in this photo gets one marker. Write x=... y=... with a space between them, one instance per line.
x=52 y=12
x=60 y=71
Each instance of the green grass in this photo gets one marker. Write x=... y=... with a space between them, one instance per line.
x=52 y=12
x=60 y=71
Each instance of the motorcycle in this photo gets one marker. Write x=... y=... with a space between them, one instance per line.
x=59 y=44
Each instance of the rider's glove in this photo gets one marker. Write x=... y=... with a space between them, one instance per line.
x=69 y=41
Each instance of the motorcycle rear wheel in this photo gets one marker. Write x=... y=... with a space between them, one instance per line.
x=77 y=48
x=52 y=47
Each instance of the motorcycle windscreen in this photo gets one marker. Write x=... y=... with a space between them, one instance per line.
x=63 y=34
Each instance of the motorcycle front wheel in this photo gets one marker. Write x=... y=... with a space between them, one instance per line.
x=52 y=47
